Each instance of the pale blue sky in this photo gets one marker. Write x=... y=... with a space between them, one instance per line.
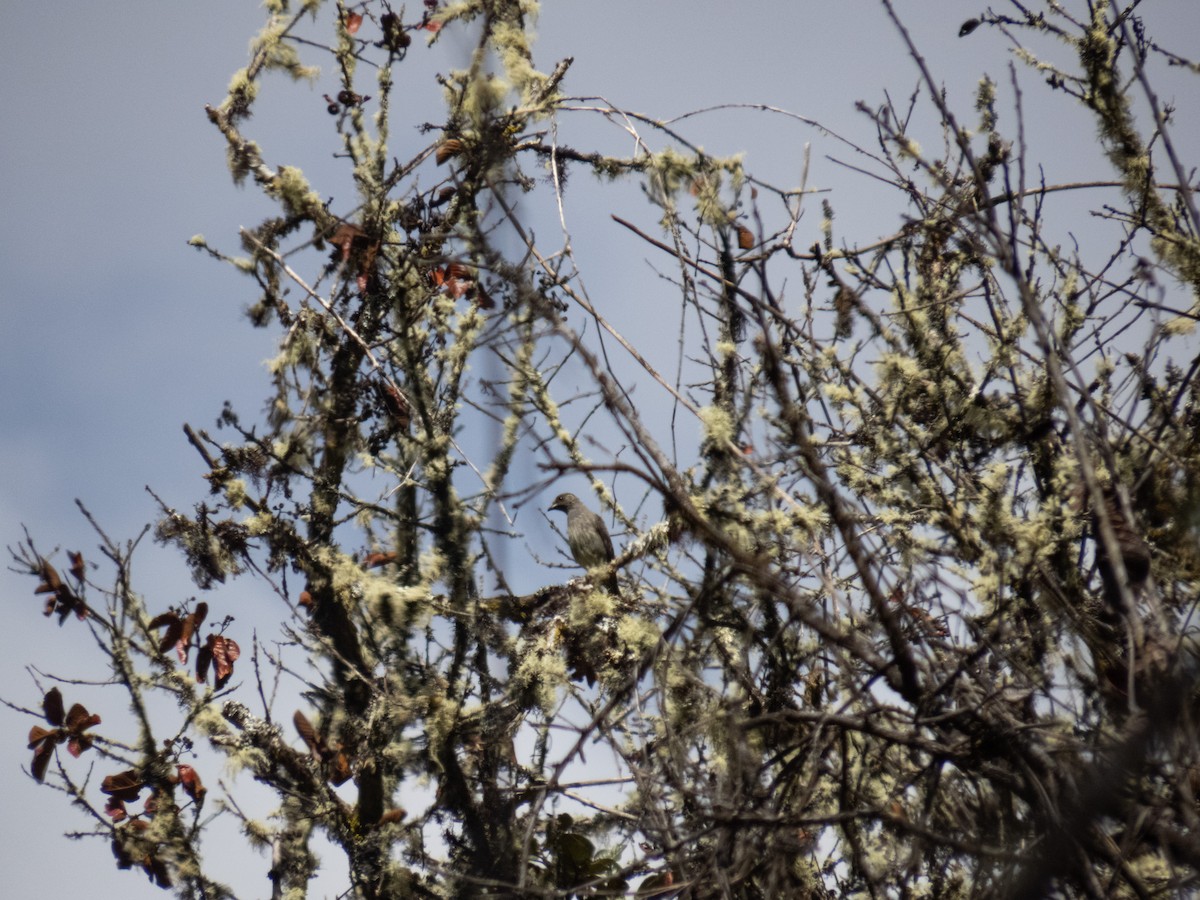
x=115 y=332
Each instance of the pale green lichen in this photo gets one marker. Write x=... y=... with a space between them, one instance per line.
x=258 y=524
x=1179 y=326
x=542 y=668
x=637 y=635
x=235 y=493
x=293 y=189
x=718 y=425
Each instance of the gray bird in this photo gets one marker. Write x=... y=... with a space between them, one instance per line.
x=1134 y=551
x=587 y=537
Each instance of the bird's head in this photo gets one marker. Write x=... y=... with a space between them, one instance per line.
x=564 y=502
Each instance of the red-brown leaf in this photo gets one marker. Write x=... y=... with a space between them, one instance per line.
x=37 y=734
x=448 y=149
x=307 y=732
x=77 y=743
x=353 y=22
x=225 y=652
x=163 y=619
x=483 y=298
x=190 y=782
x=63 y=599
x=79 y=719
x=124 y=785
x=52 y=706
x=77 y=566
x=171 y=637
x=346 y=236
x=395 y=403
x=190 y=624
x=50 y=580
x=116 y=809
x=203 y=661
x=454 y=277
x=339 y=768
x=41 y=759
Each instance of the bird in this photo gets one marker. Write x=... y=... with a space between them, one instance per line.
x=1134 y=551
x=587 y=536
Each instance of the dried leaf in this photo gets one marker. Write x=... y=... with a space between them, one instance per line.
x=345 y=236
x=225 y=652
x=353 y=21
x=482 y=297
x=187 y=628
x=190 y=782
x=50 y=580
x=456 y=278
x=78 y=721
x=41 y=759
x=203 y=661
x=396 y=405
x=163 y=619
x=338 y=768
x=124 y=785
x=174 y=625
x=448 y=149
x=354 y=246
x=375 y=560
x=745 y=238
x=307 y=732
x=63 y=600
x=77 y=566
x=78 y=743
x=657 y=885
x=37 y=734
x=52 y=707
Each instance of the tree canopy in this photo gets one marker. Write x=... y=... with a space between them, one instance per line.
x=905 y=528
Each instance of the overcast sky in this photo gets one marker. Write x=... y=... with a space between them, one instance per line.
x=115 y=332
